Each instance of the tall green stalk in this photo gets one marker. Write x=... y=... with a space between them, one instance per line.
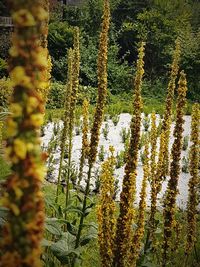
x=99 y=111
x=66 y=119
x=73 y=98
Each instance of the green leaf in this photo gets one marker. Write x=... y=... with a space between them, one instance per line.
x=63 y=250
x=87 y=238
x=46 y=243
x=71 y=229
x=53 y=226
x=75 y=209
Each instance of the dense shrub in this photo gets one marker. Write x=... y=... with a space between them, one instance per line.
x=56 y=95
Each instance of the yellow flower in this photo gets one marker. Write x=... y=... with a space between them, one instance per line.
x=16 y=109
x=11 y=128
x=32 y=104
x=18 y=192
x=41 y=14
x=19 y=77
x=29 y=146
x=24 y=18
x=14 y=209
x=13 y=51
x=40 y=172
x=20 y=148
x=37 y=119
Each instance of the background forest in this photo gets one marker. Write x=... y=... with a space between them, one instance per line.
x=157 y=22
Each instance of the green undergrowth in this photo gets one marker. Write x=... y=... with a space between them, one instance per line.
x=120 y=104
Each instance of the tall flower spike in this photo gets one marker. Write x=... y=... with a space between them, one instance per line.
x=102 y=83
x=106 y=211
x=127 y=196
x=153 y=141
x=171 y=193
x=194 y=181
x=159 y=169
x=73 y=99
x=45 y=56
x=85 y=143
x=99 y=111
x=167 y=120
x=139 y=233
x=66 y=118
x=22 y=234
x=1 y=135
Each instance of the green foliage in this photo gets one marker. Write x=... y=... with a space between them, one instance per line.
x=185 y=142
x=56 y=96
x=101 y=154
x=3 y=67
x=5 y=91
x=60 y=38
x=106 y=131
x=120 y=159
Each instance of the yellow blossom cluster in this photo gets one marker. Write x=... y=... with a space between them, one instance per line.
x=102 y=83
x=153 y=142
x=22 y=196
x=72 y=101
x=167 y=119
x=171 y=193
x=194 y=180
x=65 y=119
x=106 y=211
x=127 y=196
x=85 y=143
x=99 y=110
x=139 y=233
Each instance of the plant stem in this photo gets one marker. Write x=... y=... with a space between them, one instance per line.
x=84 y=206
x=68 y=172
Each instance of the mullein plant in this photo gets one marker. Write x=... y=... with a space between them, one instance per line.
x=85 y=143
x=159 y=168
x=73 y=99
x=106 y=211
x=172 y=191
x=45 y=74
x=136 y=243
x=65 y=119
x=127 y=196
x=99 y=110
x=192 y=210
x=167 y=118
x=153 y=142
x=1 y=134
x=23 y=232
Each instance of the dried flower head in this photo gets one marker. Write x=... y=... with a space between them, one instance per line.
x=171 y=193
x=194 y=180
x=127 y=196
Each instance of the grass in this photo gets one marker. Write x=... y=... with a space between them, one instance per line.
x=118 y=104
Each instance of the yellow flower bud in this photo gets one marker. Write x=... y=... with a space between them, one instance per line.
x=20 y=148
x=37 y=119
x=16 y=110
x=19 y=77
x=11 y=128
